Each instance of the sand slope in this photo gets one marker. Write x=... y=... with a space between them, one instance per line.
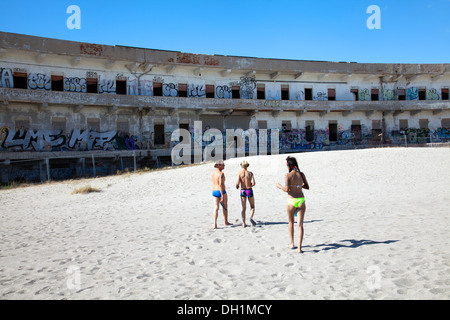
x=377 y=227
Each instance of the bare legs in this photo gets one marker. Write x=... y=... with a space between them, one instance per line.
x=251 y=200
x=244 y=207
x=300 y=217
x=225 y=211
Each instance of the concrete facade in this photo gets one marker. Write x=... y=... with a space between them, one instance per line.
x=62 y=97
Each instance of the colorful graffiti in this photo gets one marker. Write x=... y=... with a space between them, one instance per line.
x=55 y=140
x=412 y=93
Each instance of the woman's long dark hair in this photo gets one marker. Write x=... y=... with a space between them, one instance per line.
x=292 y=163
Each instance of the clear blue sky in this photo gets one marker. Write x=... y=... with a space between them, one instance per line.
x=413 y=31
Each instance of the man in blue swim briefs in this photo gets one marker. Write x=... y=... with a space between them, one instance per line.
x=246 y=180
x=219 y=193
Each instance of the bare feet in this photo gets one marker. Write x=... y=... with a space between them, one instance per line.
x=291 y=246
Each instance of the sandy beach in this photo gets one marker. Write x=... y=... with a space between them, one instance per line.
x=376 y=227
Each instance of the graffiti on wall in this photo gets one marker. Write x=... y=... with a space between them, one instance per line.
x=223 y=92
x=432 y=94
x=6 y=78
x=248 y=87
x=39 y=81
x=196 y=91
x=107 y=86
x=389 y=94
x=364 y=95
x=170 y=90
x=412 y=93
x=146 y=87
x=56 y=140
x=75 y=84
x=321 y=96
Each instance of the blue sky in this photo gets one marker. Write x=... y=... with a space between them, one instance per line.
x=411 y=31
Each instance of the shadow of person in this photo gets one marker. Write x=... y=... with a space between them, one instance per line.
x=267 y=223
x=348 y=243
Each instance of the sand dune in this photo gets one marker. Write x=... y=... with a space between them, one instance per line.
x=377 y=227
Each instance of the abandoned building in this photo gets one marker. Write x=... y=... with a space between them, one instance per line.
x=69 y=109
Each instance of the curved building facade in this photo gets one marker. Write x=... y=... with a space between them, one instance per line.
x=70 y=101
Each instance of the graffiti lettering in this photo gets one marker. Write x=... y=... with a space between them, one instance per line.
x=170 y=90
x=412 y=93
x=107 y=86
x=75 y=85
x=196 y=91
x=248 y=87
x=364 y=95
x=6 y=78
x=38 y=141
x=92 y=139
x=39 y=81
x=321 y=96
x=223 y=92
x=432 y=94
x=389 y=94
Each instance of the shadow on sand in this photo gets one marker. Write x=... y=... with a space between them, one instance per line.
x=268 y=223
x=348 y=243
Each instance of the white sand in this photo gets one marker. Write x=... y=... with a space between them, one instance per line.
x=377 y=227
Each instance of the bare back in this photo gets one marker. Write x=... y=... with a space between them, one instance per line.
x=218 y=180
x=245 y=179
x=295 y=183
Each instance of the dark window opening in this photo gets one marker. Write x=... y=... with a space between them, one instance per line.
x=403 y=124
x=121 y=86
x=422 y=94
x=356 y=131
x=159 y=134
x=262 y=124
x=284 y=93
x=209 y=91
x=182 y=90
x=444 y=94
x=308 y=94
x=20 y=80
x=261 y=93
x=333 y=130
x=331 y=94
x=184 y=126
x=235 y=92
x=157 y=89
x=445 y=123
x=57 y=83
x=401 y=94
x=93 y=124
x=309 y=131
x=423 y=123
x=374 y=95
x=355 y=93
x=91 y=84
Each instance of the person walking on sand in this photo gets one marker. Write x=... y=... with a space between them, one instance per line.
x=295 y=182
x=246 y=180
x=219 y=193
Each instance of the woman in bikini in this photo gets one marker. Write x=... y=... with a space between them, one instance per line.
x=295 y=182
x=246 y=180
